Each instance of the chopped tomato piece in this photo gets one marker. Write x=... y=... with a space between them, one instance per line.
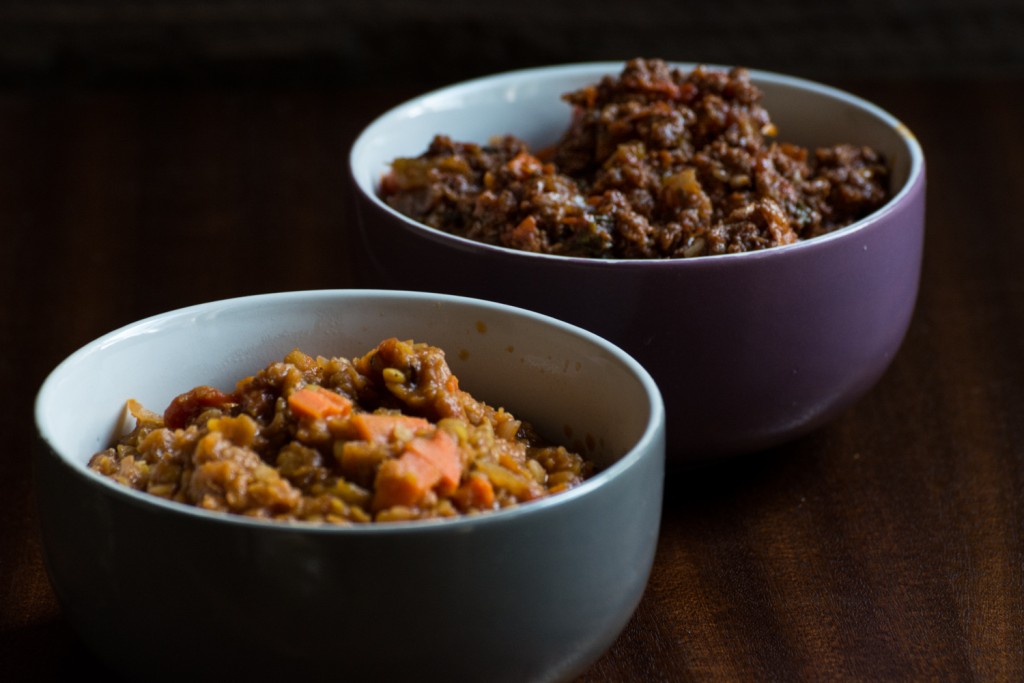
x=186 y=406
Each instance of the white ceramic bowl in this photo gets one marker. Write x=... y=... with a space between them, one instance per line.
x=163 y=591
x=750 y=350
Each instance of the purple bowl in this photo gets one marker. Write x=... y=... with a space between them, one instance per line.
x=750 y=350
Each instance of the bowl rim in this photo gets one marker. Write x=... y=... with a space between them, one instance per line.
x=428 y=101
x=642 y=449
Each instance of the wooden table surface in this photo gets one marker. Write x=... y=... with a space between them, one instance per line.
x=887 y=545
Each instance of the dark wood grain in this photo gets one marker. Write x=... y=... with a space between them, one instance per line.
x=886 y=546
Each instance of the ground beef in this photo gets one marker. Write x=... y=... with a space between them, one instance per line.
x=386 y=436
x=656 y=163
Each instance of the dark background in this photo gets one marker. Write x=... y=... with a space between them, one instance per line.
x=394 y=42
x=142 y=143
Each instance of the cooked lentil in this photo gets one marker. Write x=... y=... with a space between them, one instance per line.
x=385 y=436
x=656 y=163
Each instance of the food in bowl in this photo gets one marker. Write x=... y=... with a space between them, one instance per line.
x=750 y=349
x=656 y=163
x=386 y=436
x=503 y=596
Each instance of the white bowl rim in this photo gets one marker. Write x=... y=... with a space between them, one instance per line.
x=653 y=430
x=597 y=69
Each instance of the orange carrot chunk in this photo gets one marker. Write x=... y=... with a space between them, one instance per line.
x=318 y=403
x=476 y=493
x=374 y=427
x=427 y=463
x=442 y=451
x=403 y=481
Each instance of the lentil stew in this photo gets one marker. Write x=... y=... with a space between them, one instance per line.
x=387 y=436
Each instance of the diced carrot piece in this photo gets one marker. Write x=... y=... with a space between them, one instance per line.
x=477 y=492
x=375 y=427
x=425 y=464
x=442 y=451
x=318 y=403
x=403 y=481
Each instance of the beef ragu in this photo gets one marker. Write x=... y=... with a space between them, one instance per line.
x=655 y=163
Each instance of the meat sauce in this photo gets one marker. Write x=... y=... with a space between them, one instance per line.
x=656 y=163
